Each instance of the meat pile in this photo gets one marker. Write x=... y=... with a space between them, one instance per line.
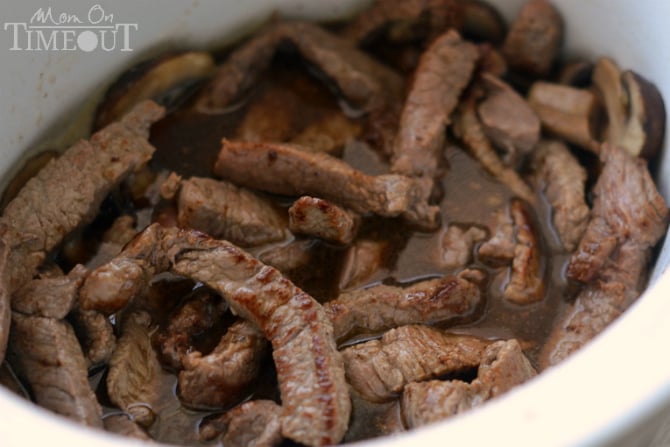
x=379 y=257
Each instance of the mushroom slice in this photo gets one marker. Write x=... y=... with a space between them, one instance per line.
x=153 y=79
x=635 y=109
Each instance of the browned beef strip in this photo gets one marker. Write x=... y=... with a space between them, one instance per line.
x=526 y=283
x=627 y=210
x=508 y=120
x=223 y=377
x=458 y=244
x=95 y=333
x=123 y=425
x=226 y=211
x=383 y=307
x=397 y=17
x=503 y=366
x=310 y=372
x=199 y=313
x=256 y=423
x=133 y=378
x=284 y=169
x=46 y=354
x=629 y=216
x=443 y=73
x=319 y=218
x=360 y=79
x=380 y=369
x=51 y=297
x=563 y=180
x=534 y=40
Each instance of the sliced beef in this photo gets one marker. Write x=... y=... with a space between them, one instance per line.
x=229 y=212
x=445 y=69
x=316 y=217
x=534 y=40
x=50 y=297
x=629 y=216
x=223 y=377
x=508 y=120
x=310 y=372
x=383 y=307
x=329 y=134
x=47 y=356
x=122 y=424
x=256 y=423
x=197 y=314
x=293 y=256
x=114 y=238
x=285 y=169
x=95 y=333
x=563 y=180
x=500 y=247
x=468 y=128
x=458 y=244
x=133 y=378
x=367 y=84
x=503 y=366
x=380 y=369
x=363 y=259
x=5 y=291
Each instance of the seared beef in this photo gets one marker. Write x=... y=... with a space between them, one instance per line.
x=226 y=211
x=503 y=366
x=458 y=244
x=133 y=378
x=563 y=180
x=534 y=39
x=285 y=169
x=629 y=216
x=383 y=307
x=367 y=84
x=443 y=73
x=50 y=297
x=222 y=377
x=47 y=356
x=380 y=369
x=95 y=333
x=198 y=314
x=290 y=257
x=113 y=240
x=123 y=425
x=319 y=218
x=256 y=423
x=500 y=248
x=364 y=258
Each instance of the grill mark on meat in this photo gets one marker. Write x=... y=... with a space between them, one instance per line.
x=364 y=82
x=316 y=217
x=630 y=216
x=47 y=355
x=564 y=182
x=255 y=423
x=316 y=405
x=273 y=167
x=380 y=369
x=456 y=250
x=445 y=69
x=384 y=307
x=223 y=377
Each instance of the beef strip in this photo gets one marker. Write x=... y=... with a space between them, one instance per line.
x=47 y=356
x=5 y=292
x=500 y=247
x=456 y=250
x=223 y=377
x=290 y=257
x=404 y=20
x=123 y=425
x=367 y=84
x=383 y=307
x=564 y=182
x=224 y=210
x=319 y=218
x=469 y=129
x=273 y=167
x=534 y=40
x=445 y=69
x=508 y=120
x=380 y=369
x=628 y=217
x=95 y=333
x=114 y=238
x=256 y=423
x=503 y=366
x=199 y=313
x=526 y=284
x=133 y=376
x=310 y=372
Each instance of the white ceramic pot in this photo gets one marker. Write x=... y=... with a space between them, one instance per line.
x=615 y=391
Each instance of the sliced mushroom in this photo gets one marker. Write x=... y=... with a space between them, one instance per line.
x=154 y=79
x=567 y=112
x=635 y=109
